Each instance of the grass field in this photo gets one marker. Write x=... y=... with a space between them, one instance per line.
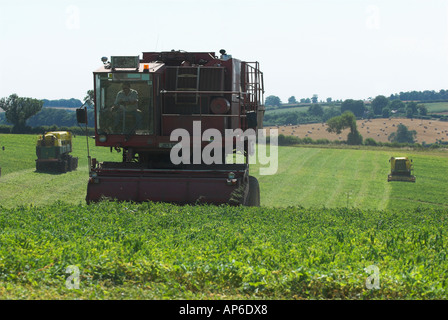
x=326 y=216
x=315 y=177
x=20 y=184
x=308 y=177
x=437 y=107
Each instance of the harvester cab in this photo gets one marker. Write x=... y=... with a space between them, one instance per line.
x=401 y=169
x=195 y=97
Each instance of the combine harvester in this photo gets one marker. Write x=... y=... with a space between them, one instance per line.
x=401 y=169
x=52 y=152
x=138 y=105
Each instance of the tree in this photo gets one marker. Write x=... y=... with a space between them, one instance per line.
x=316 y=110
x=329 y=100
x=273 y=101
x=412 y=106
x=379 y=103
x=330 y=113
x=314 y=98
x=357 y=107
x=386 y=112
x=344 y=121
x=89 y=98
x=19 y=109
x=291 y=118
x=292 y=100
x=403 y=135
x=397 y=105
x=422 y=110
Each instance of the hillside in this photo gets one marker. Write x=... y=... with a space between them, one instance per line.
x=428 y=131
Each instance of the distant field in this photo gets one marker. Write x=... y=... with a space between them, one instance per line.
x=437 y=107
x=299 y=108
x=428 y=131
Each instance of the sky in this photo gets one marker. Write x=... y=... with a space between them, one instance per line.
x=343 y=49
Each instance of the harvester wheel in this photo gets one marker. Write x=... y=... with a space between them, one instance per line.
x=253 y=199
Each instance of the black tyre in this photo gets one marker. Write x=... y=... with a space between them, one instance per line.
x=253 y=199
x=69 y=160
x=63 y=166
x=74 y=163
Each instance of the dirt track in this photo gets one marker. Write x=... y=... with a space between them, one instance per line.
x=428 y=131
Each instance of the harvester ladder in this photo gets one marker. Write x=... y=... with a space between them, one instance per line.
x=253 y=86
x=184 y=83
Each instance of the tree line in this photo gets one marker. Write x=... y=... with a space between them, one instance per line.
x=421 y=96
x=424 y=96
x=63 y=103
x=23 y=113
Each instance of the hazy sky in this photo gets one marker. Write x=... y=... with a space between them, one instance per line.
x=334 y=48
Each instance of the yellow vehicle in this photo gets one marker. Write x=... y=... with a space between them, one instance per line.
x=401 y=169
x=53 y=150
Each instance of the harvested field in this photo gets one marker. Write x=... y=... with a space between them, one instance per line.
x=428 y=131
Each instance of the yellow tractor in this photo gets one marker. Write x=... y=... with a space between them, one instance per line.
x=401 y=169
x=53 y=152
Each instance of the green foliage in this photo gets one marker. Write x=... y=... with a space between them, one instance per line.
x=346 y=120
x=354 y=138
x=370 y=142
x=427 y=95
x=18 y=110
x=403 y=135
x=161 y=251
x=58 y=117
x=357 y=107
x=292 y=100
x=63 y=103
x=90 y=97
x=327 y=215
x=288 y=118
x=422 y=109
x=379 y=103
x=316 y=110
x=397 y=105
x=273 y=101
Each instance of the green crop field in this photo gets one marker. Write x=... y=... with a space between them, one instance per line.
x=315 y=177
x=436 y=107
x=327 y=217
x=20 y=184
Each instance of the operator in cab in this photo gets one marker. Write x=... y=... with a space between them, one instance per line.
x=126 y=102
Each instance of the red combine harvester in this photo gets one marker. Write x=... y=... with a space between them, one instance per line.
x=140 y=102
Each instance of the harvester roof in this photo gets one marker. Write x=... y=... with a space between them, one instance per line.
x=152 y=67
